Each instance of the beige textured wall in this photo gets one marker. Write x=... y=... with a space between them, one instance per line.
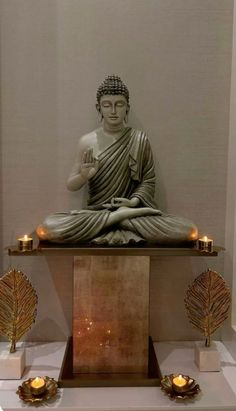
x=175 y=56
x=229 y=332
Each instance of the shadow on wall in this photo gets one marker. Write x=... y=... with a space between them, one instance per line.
x=1 y=182
x=53 y=330
x=169 y=281
x=54 y=286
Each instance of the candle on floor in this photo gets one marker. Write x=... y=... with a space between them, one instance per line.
x=38 y=386
x=179 y=383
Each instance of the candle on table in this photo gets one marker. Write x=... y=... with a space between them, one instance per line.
x=179 y=383
x=37 y=385
x=205 y=244
x=25 y=243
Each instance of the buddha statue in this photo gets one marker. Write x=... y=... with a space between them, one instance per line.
x=116 y=162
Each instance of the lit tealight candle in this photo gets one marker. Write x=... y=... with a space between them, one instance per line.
x=205 y=244
x=38 y=386
x=179 y=383
x=25 y=243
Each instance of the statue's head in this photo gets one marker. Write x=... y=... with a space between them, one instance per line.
x=113 y=92
x=112 y=85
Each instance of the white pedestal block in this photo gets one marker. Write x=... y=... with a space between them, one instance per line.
x=207 y=358
x=11 y=364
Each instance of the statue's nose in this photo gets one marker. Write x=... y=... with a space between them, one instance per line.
x=113 y=109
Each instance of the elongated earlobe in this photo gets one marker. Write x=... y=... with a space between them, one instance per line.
x=100 y=116
x=126 y=116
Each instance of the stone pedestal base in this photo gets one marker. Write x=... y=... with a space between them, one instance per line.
x=111 y=314
x=207 y=358
x=11 y=364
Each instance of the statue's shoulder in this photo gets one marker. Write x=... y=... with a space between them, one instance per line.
x=88 y=140
x=139 y=135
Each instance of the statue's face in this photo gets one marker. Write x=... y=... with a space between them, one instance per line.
x=113 y=109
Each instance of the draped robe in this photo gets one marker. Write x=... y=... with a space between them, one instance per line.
x=126 y=169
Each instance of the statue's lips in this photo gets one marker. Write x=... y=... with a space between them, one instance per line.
x=113 y=117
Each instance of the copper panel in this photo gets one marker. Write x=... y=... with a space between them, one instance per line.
x=111 y=314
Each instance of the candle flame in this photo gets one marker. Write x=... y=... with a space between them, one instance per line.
x=205 y=238
x=179 y=381
x=26 y=238
x=37 y=382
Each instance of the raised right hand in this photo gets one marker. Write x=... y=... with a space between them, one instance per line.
x=89 y=165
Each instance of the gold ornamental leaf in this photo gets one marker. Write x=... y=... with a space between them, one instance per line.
x=18 y=301
x=207 y=303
